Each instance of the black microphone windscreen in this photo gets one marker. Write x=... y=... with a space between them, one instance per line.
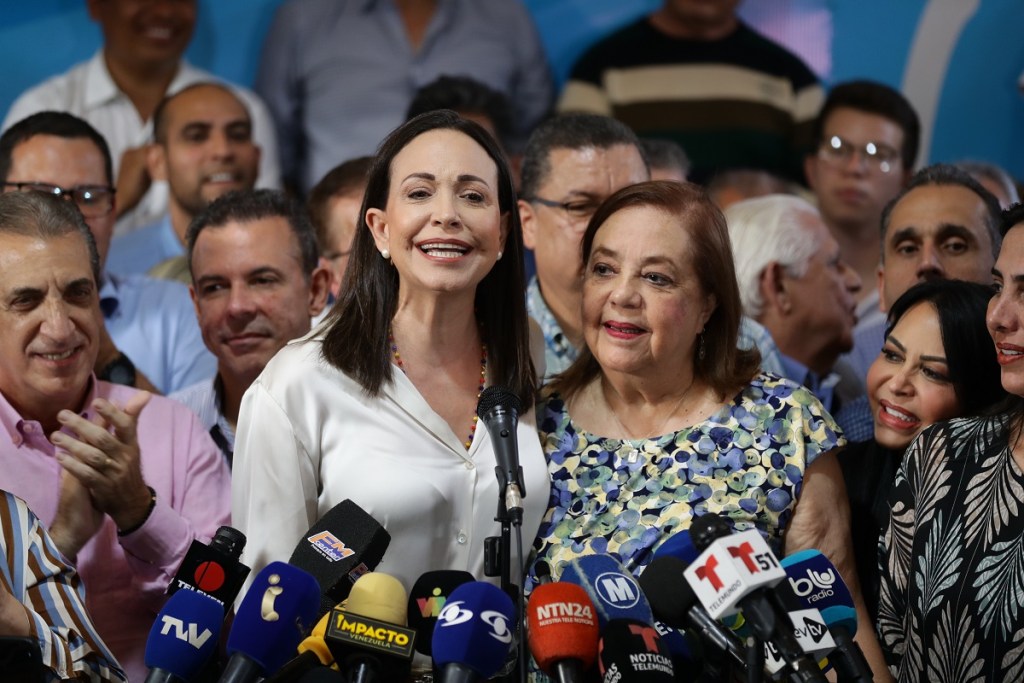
x=343 y=545
x=633 y=651
x=704 y=529
x=495 y=396
x=671 y=597
x=426 y=600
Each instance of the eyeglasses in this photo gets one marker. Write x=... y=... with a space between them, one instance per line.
x=92 y=200
x=577 y=210
x=878 y=155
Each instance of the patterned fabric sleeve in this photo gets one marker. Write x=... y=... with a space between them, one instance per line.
x=894 y=548
x=38 y=576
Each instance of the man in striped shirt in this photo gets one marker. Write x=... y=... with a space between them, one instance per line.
x=41 y=598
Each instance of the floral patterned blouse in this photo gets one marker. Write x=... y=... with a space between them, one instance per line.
x=952 y=558
x=745 y=462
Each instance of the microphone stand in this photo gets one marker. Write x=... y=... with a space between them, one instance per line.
x=498 y=562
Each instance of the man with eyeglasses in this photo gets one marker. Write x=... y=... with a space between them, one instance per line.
x=572 y=163
x=117 y=89
x=867 y=140
x=150 y=338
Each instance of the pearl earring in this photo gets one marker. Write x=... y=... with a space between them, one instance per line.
x=499 y=254
x=385 y=254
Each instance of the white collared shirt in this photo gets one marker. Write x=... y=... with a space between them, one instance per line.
x=88 y=91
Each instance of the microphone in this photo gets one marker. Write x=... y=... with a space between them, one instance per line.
x=426 y=600
x=368 y=637
x=183 y=637
x=340 y=547
x=313 y=653
x=632 y=651
x=214 y=569
x=733 y=572
x=499 y=409
x=817 y=583
x=675 y=603
x=562 y=630
x=474 y=633
x=613 y=591
x=270 y=621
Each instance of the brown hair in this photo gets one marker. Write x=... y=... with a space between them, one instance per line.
x=357 y=333
x=724 y=366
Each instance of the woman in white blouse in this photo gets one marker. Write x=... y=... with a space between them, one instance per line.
x=378 y=404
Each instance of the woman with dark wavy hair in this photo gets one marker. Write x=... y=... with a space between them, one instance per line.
x=937 y=363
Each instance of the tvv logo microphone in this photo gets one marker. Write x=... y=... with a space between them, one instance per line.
x=454 y=614
x=189 y=634
x=814 y=585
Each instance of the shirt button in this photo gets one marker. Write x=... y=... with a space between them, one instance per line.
x=470 y=465
x=462 y=538
x=29 y=428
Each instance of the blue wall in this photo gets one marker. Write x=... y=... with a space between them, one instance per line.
x=979 y=112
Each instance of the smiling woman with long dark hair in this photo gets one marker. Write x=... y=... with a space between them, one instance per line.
x=378 y=405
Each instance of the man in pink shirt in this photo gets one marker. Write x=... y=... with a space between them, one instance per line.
x=123 y=480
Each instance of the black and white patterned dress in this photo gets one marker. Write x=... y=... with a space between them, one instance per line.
x=952 y=557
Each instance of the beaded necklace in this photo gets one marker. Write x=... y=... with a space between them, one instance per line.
x=479 y=389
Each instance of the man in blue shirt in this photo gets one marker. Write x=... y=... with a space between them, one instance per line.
x=150 y=337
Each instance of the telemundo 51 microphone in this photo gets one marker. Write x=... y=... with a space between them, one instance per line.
x=183 y=637
x=272 y=618
x=214 y=569
x=737 y=571
x=674 y=602
x=817 y=583
x=499 y=409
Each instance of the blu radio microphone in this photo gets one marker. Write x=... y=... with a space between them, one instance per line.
x=474 y=633
x=183 y=637
x=343 y=545
x=272 y=618
x=426 y=600
x=562 y=630
x=214 y=569
x=817 y=583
